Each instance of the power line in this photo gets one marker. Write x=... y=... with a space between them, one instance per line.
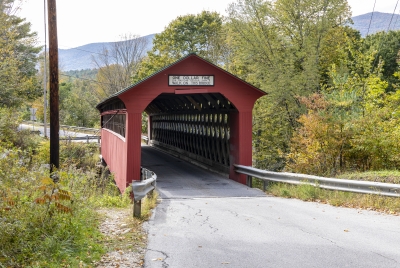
x=370 y=21
x=94 y=81
x=394 y=11
x=87 y=79
x=383 y=37
x=395 y=23
x=91 y=52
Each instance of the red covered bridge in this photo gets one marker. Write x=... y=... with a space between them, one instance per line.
x=194 y=108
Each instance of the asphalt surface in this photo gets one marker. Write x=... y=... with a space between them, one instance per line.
x=179 y=179
x=62 y=133
x=205 y=220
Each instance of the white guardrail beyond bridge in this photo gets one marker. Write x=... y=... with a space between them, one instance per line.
x=365 y=187
x=141 y=188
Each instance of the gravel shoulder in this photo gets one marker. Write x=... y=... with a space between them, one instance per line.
x=125 y=239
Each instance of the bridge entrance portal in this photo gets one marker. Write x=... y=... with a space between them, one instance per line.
x=195 y=109
x=196 y=126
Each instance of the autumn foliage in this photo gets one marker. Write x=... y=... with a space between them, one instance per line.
x=336 y=137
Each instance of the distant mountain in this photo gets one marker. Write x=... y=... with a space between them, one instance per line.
x=80 y=58
x=380 y=22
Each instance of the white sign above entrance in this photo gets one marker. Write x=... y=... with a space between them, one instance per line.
x=190 y=80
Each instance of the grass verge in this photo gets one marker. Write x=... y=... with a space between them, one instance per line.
x=390 y=205
x=124 y=237
x=386 y=176
x=56 y=224
x=128 y=240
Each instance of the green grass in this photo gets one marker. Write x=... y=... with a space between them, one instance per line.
x=390 y=205
x=46 y=224
x=387 y=176
x=40 y=234
x=129 y=240
x=148 y=204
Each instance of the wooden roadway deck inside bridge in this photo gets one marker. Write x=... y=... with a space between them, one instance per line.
x=177 y=178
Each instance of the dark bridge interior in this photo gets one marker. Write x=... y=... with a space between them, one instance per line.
x=196 y=126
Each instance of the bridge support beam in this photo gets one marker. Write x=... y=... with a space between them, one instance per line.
x=133 y=144
x=240 y=143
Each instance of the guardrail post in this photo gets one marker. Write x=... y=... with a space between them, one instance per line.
x=250 y=181
x=141 y=188
x=87 y=138
x=265 y=185
x=137 y=208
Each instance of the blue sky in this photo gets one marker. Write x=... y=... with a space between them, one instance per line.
x=89 y=21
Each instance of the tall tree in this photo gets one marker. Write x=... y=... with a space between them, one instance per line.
x=277 y=45
x=18 y=58
x=352 y=124
x=387 y=47
x=119 y=63
x=201 y=34
x=77 y=101
x=80 y=106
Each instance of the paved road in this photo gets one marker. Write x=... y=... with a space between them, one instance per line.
x=62 y=133
x=179 y=179
x=192 y=227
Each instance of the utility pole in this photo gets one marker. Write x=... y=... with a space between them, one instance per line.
x=54 y=98
x=45 y=75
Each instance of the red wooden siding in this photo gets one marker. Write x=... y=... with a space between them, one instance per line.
x=124 y=158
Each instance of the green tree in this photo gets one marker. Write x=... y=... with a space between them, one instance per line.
x=353 y=124
x=387 y=46
x=281 y=47
x=336 y=50
x=375 y=145
x=77 y=103
x=18 y=57
x=65 y=90
x=320 y=146
x=81 y=111
x=201 y=34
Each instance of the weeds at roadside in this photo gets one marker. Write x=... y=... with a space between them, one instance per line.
x=390 y=205
x=386 y=176
x=148 y=204
x=44 y=223
x=48 y=224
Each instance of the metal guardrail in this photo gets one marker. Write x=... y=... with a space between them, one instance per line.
x=365 y=187
x=141 y=188
x=146 y=139
x=65 y=127
x=83 y=129
x=86 y=138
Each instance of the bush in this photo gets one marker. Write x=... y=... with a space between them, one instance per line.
x=45 y=223
x=41 y=222
x=385 y=204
